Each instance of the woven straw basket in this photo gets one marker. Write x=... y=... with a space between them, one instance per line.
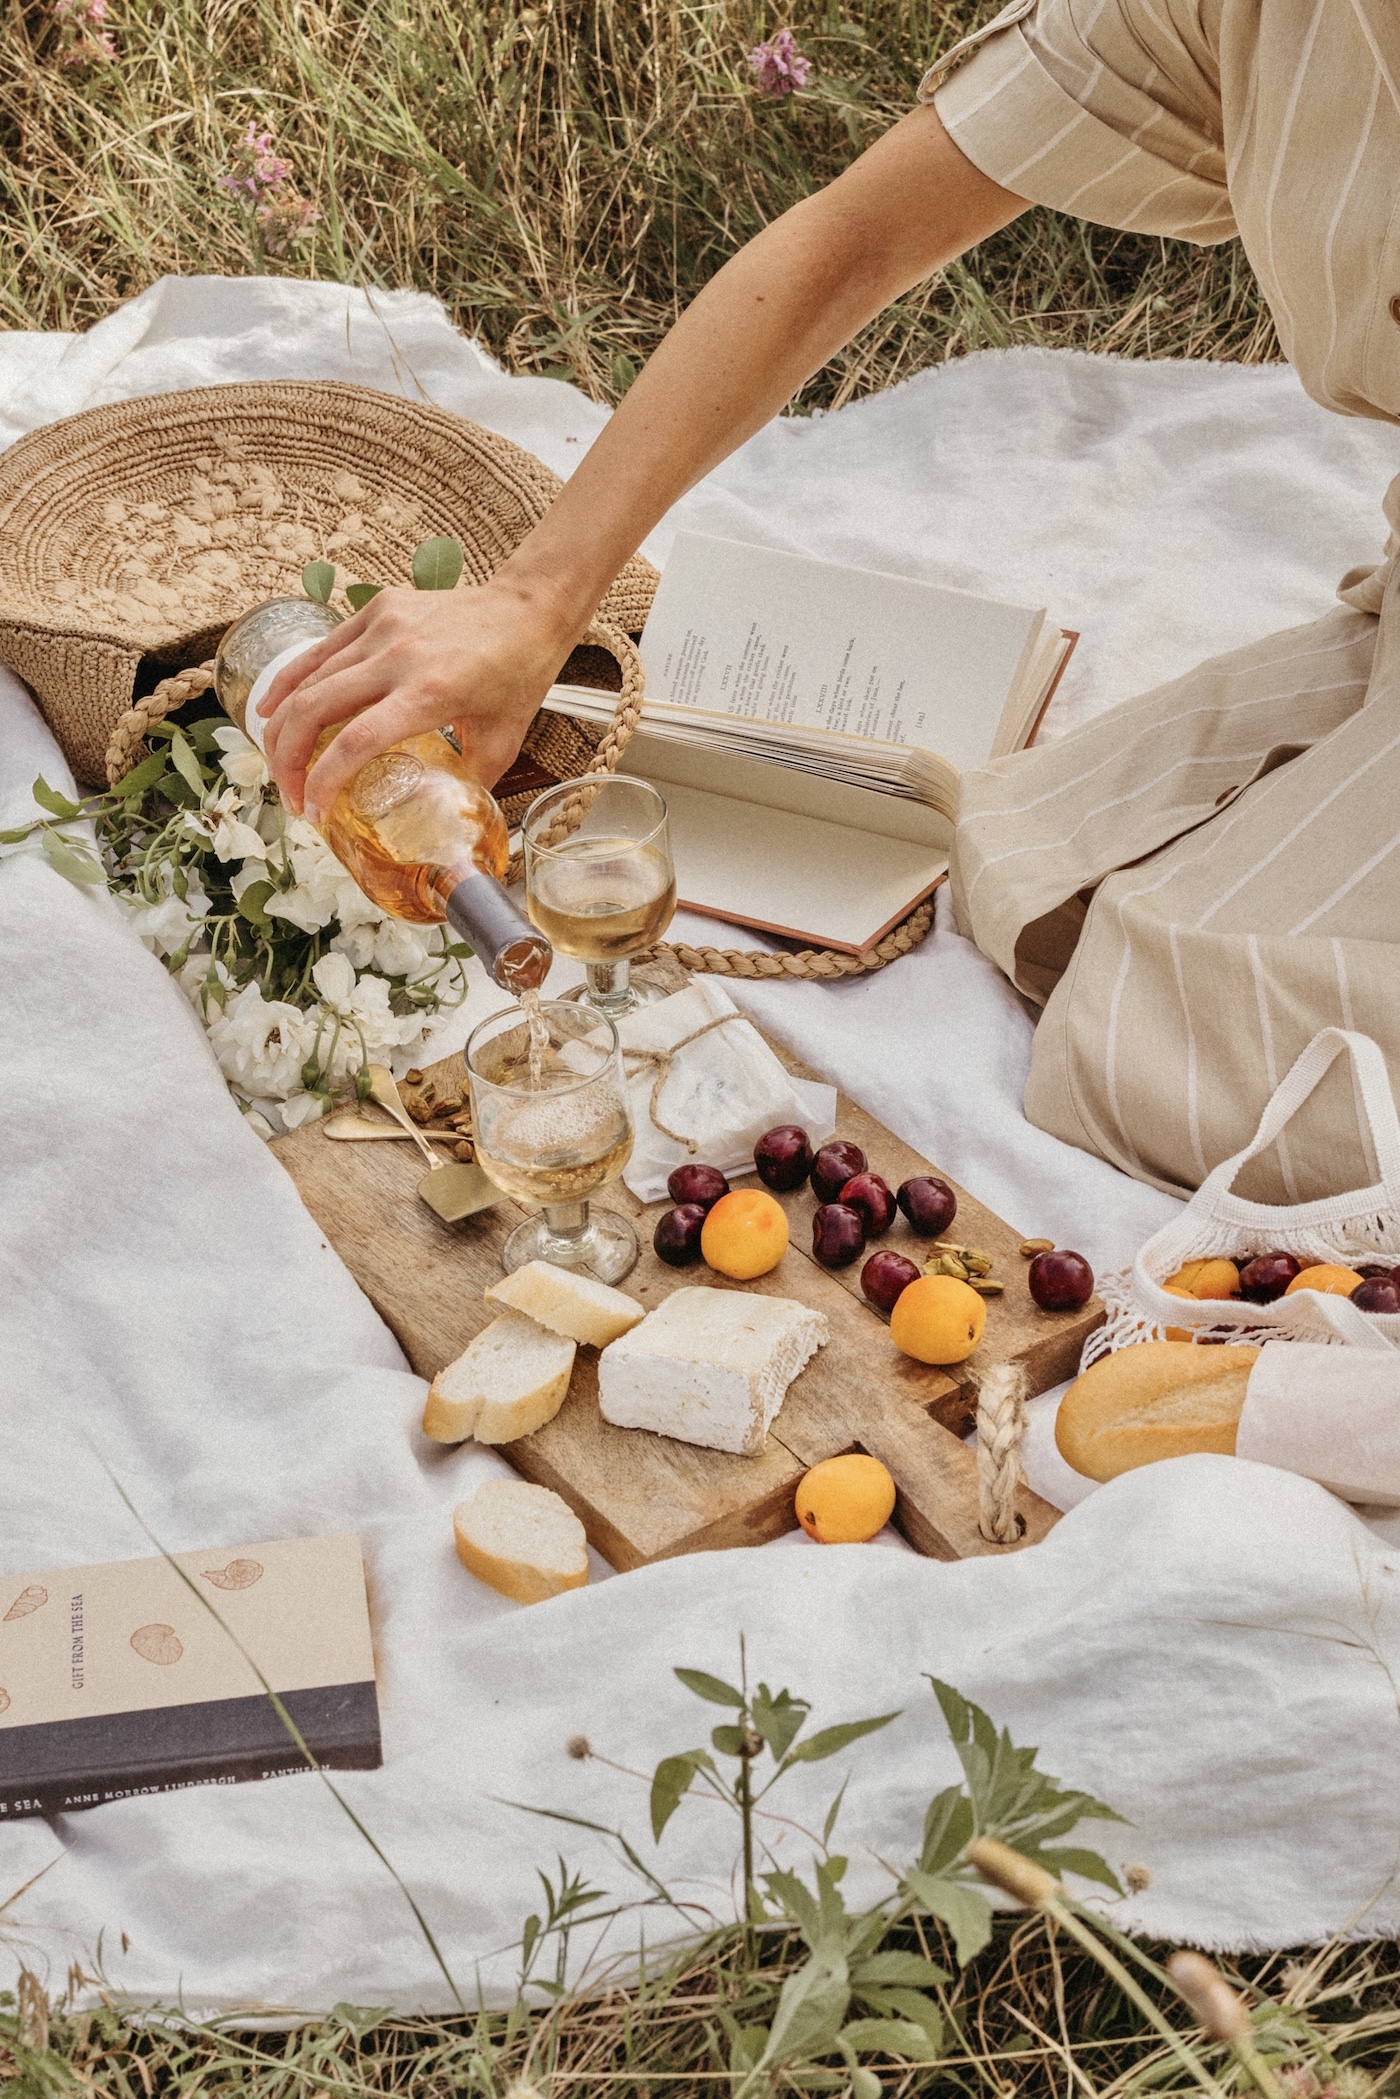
x=131 y=536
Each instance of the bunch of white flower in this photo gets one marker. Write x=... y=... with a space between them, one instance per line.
x=285 y=1057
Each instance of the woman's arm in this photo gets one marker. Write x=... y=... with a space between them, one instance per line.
x=483 y=659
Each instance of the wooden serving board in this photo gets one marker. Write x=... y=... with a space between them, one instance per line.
x=643 y=1497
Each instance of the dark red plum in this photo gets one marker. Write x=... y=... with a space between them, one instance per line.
x=870 y=1195
x=835 y=1164
x=1266 y=1277
x=783 y=1157
x=697 y=1184
x=838 y=1235
x=1378 y=1293
x=928 y=1203
x=676 y=1240
x=886 y=1276
x=1061 y=1281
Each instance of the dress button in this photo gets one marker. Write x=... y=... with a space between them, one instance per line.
x=1395 y=309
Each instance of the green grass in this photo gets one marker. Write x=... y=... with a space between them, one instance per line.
x=564 y=175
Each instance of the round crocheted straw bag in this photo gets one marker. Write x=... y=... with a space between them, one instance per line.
x=132 y=535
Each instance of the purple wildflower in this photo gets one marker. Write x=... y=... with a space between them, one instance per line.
x=257 y=170
x=779 y=67
x=284 y=222
x=84 y=40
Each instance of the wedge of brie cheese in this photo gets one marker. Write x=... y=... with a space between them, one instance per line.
x=709 y=1367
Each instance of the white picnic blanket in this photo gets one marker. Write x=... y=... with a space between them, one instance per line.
x=1208 y=1645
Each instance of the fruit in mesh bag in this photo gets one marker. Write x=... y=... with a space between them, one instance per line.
x=1377 y=1293
x=1212 y=1278
x=1266 y=1277
x=1327 y=1276
x=845 y=1501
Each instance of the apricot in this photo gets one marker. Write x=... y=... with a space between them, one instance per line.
x=745 y=1234
x=1216 y=1278
x=845 y=1501
x=939 y=1319
x=1326 y=1276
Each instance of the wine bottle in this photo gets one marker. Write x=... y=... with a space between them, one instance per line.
x=422 y=837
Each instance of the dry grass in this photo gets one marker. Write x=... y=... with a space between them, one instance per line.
x=564 y=175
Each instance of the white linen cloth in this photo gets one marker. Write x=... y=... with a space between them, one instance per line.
x=1204 y=1644
x=720 y=1091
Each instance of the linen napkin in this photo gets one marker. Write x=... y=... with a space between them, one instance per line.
x=704 y=1086
x=1331 y=1414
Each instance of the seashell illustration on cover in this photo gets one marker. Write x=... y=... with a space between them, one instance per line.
x=239 y=1574
x=28 y=1601
x=158 y=1643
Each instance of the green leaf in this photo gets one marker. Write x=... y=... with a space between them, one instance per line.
x=828 y=1740
x=811 y=2006
x=669 y=1785
x=729 y=1741
x=437 y=564
x=183 y=759
x=252 y=904
x=967 y=1914
x=359 y=594
x=912 y=2005
x=948 y=1830
x=910 y=1969
x=17 y=837
x=746 y=2047
x=318 y=580
x=624 y=372
x=49 y=798
x=890 y=2037
x=864 y=2083
x=142 y=776
x=778 y=1719
x=1087 y=1864
x=710 y=1687
x=72 y=861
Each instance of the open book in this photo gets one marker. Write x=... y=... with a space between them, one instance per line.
x=808 y=724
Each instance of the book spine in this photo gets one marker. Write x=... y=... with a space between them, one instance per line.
x=66 y=1795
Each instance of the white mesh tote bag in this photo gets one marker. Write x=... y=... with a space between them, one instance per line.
x=1362 y=1225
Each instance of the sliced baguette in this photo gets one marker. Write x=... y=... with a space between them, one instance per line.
x=509 y=1380
x=568 y=1303
x=522 y=1541
x=1160 y=1399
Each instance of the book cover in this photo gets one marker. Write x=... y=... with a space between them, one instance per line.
x=115 y=1680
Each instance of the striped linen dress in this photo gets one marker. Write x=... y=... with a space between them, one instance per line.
x=1198 y=881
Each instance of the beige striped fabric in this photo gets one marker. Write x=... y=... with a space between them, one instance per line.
x=1197 y=882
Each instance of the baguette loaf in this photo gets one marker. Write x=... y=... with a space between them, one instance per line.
x=567 y=1302
x=1161 y=1399
x=509 y=1380
x=522 y=1541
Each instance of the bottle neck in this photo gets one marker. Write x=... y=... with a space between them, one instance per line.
x=515 y=953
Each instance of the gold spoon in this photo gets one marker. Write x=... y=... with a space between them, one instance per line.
x=348 y=1126
x=453 y=1192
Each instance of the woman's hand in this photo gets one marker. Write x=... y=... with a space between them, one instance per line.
x=481 y=659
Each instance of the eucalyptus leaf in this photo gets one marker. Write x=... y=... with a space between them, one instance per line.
x=49 y=798
x=437 y=564
x=318 y=580
x=358 y=595
x=186 y=764
x=710 y=1687
x=142 y=776
x=72 y=861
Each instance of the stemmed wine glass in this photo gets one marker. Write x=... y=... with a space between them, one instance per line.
x=599 y=880
x=552 y=1125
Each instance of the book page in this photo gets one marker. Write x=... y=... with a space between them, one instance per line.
x=755 y=634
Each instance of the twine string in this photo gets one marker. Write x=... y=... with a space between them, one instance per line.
x=661 y=1062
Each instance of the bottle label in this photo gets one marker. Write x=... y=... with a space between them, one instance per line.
x=255 y=724
x=385 y=782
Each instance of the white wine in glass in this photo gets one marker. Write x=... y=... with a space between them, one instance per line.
x=552 y=1125
x=599 y=880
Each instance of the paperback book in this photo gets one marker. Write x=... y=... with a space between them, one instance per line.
x=842 y=704
x=116 y=1680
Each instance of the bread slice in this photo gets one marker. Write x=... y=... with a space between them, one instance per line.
x=567 y=1302
x=520 y=1540
x=509 y=1380
x=1161 y=1399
